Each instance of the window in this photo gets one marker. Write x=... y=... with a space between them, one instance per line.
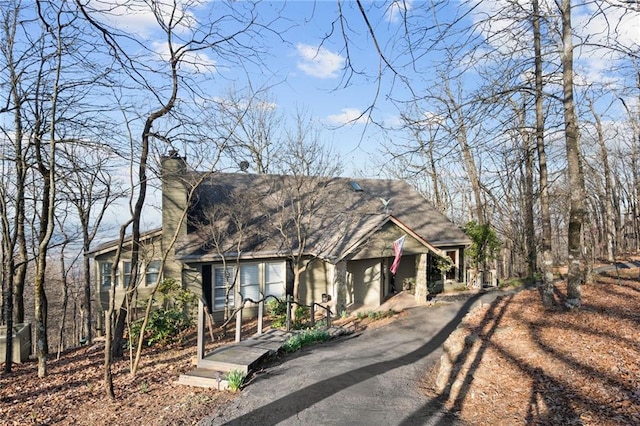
x=250 y=281
x=152 y=273
x=268 y=277
x=222 y=280
x=274 y=283
x=127 y=274
x=105 y=274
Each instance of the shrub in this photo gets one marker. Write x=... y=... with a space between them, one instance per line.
x=277 y=310
x=167 y=322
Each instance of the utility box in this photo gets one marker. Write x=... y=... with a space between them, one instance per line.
x=21 y=342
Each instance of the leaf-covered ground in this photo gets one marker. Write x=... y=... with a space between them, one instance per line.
x=73 y=391
x=521 y=364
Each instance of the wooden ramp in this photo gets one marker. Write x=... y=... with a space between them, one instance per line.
x=243 y=356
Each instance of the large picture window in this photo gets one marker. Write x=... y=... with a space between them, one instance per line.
x=253 y=278
x=274 y=279
x=222 y=281
x=250 y=281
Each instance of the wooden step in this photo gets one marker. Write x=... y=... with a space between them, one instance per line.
x=205 y=379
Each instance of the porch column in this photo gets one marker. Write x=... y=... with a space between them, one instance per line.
x=340 y=286
x=421 y=278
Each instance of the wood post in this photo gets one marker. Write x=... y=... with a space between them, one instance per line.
x=260 y=315
x=200 y=351
x=289 y=299
x=238 y=325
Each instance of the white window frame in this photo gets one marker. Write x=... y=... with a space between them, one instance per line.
x=230 y=274
x=148 y=282
x=250 y=290
x=126 y=274
x=105 y=274
x=283 y=281
x=254 y=291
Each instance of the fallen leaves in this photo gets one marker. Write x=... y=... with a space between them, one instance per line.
x=531 y=366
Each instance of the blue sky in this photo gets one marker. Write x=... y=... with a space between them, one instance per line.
x=305 y=65
x=306 y=68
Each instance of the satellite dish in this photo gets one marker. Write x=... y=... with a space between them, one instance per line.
x=244 y=165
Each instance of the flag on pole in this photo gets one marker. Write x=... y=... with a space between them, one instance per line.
x=397 y=250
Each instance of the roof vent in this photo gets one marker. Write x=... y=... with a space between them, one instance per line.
x=355 y=186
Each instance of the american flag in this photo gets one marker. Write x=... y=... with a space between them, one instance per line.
x=397 y=250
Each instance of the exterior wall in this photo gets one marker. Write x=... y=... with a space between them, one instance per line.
x=316 y=281
x=380 y=245
x=192 y=281
x=151 y=251
x=364 y=282
x=406 y=270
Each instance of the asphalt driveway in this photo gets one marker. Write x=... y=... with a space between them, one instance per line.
x=366 y=379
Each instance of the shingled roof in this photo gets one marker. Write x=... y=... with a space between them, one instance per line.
x=258 y=216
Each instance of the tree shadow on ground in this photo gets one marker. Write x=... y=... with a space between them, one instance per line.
x=289 y=405
x=556 y=394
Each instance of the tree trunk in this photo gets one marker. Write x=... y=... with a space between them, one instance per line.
x=609 y=226
x=530 y=232
x=65 y=302
x=467 y=156
x=7 y=281
x=574 y=166
x=86 y=311
x=548 y=298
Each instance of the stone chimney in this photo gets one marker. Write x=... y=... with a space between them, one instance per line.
x=174 y=202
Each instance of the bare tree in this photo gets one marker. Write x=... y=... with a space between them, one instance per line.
x=12 y=185
x=89 y=188
x=301 y=197
x=250 y=126
x=545 y=216
x=575 y=173
x=185 y=39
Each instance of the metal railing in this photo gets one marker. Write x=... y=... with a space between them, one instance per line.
x=312 y=312
x=237 y=313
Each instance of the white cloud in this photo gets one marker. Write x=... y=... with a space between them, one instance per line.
x=319 y=62
x=139 y=18
x=348 y=116
x=193 y=61
x=397 y=9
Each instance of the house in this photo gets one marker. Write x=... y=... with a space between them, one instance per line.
x=326 y=240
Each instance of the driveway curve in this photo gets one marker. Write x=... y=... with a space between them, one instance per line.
x=370 y=378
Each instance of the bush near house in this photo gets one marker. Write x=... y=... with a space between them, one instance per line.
x=170 y=320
